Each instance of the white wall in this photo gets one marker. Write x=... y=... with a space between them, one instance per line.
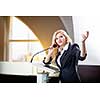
x=67 y=21
x=92 y=24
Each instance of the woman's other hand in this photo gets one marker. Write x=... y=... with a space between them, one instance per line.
x=85 y=36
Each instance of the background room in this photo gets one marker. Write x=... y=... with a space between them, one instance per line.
x=23 y=36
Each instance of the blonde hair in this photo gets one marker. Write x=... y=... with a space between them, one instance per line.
x=62 y=32
x=54 y=40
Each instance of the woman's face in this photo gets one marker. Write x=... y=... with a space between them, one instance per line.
x=61 y=39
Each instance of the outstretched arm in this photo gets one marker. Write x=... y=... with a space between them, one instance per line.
x=84 y=38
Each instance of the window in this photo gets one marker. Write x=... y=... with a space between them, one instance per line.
x=23 y=43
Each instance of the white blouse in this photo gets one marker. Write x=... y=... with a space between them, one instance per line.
x=65 y=48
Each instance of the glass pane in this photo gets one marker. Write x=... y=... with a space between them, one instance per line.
x=21 y=31
x=20 y=51
x=23 y=51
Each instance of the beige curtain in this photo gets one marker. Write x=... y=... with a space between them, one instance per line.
x=4 y=37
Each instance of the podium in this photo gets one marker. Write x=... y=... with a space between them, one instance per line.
x=44 y=72
x=16 y=72
x=31 y=72
x=15 y=68
x=27 y=72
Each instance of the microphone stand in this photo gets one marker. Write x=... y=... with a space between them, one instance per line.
x=38 y=53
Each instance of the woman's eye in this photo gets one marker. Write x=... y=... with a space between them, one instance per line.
x=61 y=36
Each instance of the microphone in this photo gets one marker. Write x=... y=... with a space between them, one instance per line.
x=54 y=46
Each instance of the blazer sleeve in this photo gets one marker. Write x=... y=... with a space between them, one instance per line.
x=78 y=54
x=82 y=58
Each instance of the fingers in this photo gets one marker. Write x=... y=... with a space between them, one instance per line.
x=51 y=47
x=87 y=33
x=85 y=36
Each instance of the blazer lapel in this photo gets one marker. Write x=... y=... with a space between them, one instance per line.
x=66 y=54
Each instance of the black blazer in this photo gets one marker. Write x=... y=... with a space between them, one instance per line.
x=69 y=64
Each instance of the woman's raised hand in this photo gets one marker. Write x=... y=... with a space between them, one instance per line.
x=85 y=36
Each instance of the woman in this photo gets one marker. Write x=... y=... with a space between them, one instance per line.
x=67 y=56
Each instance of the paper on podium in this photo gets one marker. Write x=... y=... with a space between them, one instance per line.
x=40 y=67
